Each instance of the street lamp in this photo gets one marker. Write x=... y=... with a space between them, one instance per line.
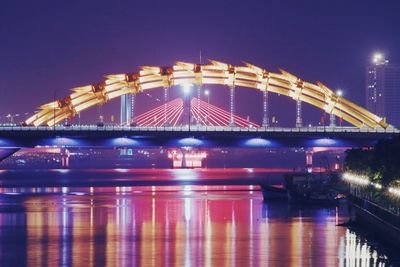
x=207 y=93
x=186 y=91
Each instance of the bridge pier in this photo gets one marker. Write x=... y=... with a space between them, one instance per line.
x=309 y=160
x=187 y=157
x=64 y=157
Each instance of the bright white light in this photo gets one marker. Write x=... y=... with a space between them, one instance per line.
x=377 y=57
x=187 y=88
x=356 y=179
x=207 y=92
x=394 y=191
x=187 y=190
x=339 y=92
x=376 y=185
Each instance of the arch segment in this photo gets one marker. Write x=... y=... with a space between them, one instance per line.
x=251 y=76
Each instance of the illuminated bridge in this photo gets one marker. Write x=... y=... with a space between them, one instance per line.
x=187 y=74
x=192 y=122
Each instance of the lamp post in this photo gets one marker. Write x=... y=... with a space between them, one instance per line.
x=207 y=93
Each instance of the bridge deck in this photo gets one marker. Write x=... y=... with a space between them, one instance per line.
x=195 y=136
x=195 y=128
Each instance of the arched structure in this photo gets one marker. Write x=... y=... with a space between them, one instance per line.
x=216 y=72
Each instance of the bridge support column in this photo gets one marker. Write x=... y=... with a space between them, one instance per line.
x=64 y=157
x=265 y=122
x=166 y=92
x=299 y=119
x=232 y=105
x=199 y=89
x=332 y=120
x=309 y=160
x=132 y=107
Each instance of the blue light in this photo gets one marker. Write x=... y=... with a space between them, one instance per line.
x=325 y=142
x=63 y=141
x=6 y=143
x=191 y=141
x=257 y=142
x=123 y=141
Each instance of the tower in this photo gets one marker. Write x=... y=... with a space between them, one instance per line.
x=383 y=89
x=126 y=109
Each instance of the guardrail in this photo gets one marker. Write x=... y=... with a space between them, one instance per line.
x=195 y=128
x=369 y=193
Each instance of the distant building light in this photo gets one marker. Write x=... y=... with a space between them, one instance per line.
x=378 y=59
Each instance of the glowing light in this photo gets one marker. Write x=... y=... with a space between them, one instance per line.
x=207 y=92
x=78 y=193
x=325 y=142
x=64 y=141
x=187 y=190
x=257 y=142
x=123 y=141
x=395 y=191
x=190 y=142
x=356 y=179
x=184 y=174
x=376 y=185
x=121 y=170
x=187 y=88
x=339 y=92
x=377 y=57
x=62 y=171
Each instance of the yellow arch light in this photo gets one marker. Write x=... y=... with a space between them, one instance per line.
x=184 y=73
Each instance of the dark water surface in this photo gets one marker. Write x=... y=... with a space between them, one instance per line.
x=174 y=226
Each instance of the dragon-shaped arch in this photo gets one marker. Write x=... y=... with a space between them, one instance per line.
x=251 y=76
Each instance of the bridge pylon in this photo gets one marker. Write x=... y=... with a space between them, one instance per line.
x=332 y=122
x=299 y=118
x=232 y=105
x=265 y=122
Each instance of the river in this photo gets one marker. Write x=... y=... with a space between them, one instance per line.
x=174 y=225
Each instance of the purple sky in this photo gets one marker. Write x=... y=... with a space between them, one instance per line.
x=56 y=45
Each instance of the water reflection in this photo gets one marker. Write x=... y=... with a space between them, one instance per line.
x=118 y=227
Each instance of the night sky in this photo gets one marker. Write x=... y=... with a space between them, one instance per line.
x=56 y=45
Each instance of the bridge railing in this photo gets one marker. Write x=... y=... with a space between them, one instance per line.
x=196 y=128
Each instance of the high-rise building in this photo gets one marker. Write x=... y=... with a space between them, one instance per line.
x=383 y=89
x=127 y=105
